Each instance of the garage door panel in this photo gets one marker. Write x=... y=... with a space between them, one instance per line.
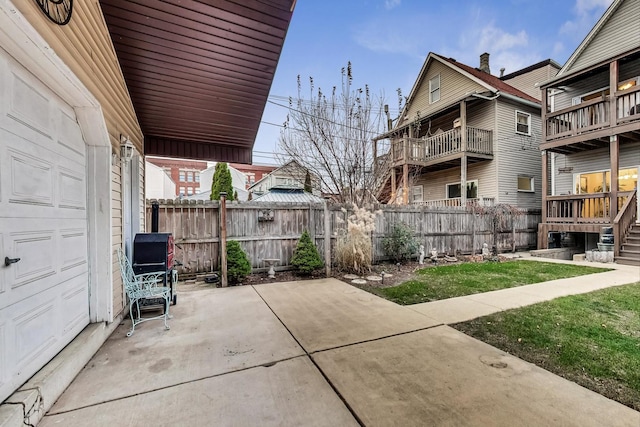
x=29 y=103
x=70 y=137
x=44 y=298
x=73 y=249
x=37 y=253
x=71 y=189
x=30 y=179
x=35 y=332
x=76 y=314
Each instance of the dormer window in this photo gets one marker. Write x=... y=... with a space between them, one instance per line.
x=434 y=89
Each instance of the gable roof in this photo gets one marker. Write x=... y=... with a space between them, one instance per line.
x=493 y=83
x=276 y=170
x=531 y=68
x=589 y=37
x=488 y=81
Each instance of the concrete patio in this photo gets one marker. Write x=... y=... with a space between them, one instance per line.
x=318 y=353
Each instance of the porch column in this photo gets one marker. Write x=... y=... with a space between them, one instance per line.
x=614 y=155
x=613 y=87
x=463 y=149
x=393 y=184
x=545 y=185
x=405 y=179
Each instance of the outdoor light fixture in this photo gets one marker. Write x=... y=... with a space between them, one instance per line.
x=126 y=149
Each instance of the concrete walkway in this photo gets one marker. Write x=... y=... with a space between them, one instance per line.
x=461 y=309
x=323 y=353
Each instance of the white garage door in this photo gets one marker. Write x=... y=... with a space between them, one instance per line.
x=44 y=298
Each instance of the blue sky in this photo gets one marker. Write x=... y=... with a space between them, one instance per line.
x=387 y=42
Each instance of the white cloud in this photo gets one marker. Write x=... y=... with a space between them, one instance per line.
x=390 y=4
x=586 y=13
x=496 y=39
x=392 y=34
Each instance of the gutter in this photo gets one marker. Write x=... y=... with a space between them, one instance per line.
x=517 y=99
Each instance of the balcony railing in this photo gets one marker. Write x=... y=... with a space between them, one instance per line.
x=421 y=150
x=456 y=202
x=582 y=208
x=594 y=115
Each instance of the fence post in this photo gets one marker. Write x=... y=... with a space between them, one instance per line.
x=223 y=239
x=327 y=239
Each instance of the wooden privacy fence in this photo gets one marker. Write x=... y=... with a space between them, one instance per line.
x=272 y=230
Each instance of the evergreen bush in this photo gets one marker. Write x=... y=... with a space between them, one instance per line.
x=238 y=265
x=306 y=258
x=401 y=244
x=222 y=182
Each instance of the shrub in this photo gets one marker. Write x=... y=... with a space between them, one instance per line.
x=306 y=258
x=353 y=247
x=401 y=244
x=222 y=182
x=238 y=266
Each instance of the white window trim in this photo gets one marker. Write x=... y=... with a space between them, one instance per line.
x=576 y=175
x=431 y=100
x=532 y=180
x=446 y=188
x=528 y=133
x=413 y=191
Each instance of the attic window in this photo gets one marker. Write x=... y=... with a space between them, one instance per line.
x=434 y=89
x=523 y=123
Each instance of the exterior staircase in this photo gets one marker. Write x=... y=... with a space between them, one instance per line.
x=630 y=250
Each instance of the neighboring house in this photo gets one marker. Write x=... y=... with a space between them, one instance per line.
x=530 y=78
x=85 y=93
x=591 y=136
x=288 y=194
x=253 y=173
x=206 y=180
x=158 y=183
x=184 y=172
x=290 y=174
x=464 y=135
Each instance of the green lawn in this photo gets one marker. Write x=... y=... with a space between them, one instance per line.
x=591 y=339
x=436 y=283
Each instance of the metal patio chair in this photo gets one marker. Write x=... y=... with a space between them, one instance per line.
x=140 y=287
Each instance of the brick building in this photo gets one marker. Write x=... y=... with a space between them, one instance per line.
x=185 y=173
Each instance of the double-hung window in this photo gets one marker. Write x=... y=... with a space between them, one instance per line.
x=523 y=123
x=434 y=89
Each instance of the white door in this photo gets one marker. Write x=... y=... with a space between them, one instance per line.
x=44 y=297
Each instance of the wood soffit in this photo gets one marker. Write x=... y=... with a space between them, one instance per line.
x=199 y=72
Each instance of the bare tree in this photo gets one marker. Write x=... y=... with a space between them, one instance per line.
x=331 y=135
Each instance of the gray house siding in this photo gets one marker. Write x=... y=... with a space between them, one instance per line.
x=597 y=81
x=517 y=155
x=620 y=34
x=528 y=82
x=434 y=185
x=591 y=161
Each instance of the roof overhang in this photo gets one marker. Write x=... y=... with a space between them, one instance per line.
x=198 y=72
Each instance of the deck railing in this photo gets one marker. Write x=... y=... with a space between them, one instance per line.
x=594 y=114
x=456 y=202
x=431 y=148
x=582 y=208
x=626 y=216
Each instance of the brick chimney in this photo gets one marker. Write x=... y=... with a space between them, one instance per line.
x=484 y=63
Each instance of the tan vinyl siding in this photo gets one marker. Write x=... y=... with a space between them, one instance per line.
x=621 y=33
x=527 y=82
x=593 y=160
x=453 y=87
x=434 y=184
x=517 y=155
x=116 y=236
